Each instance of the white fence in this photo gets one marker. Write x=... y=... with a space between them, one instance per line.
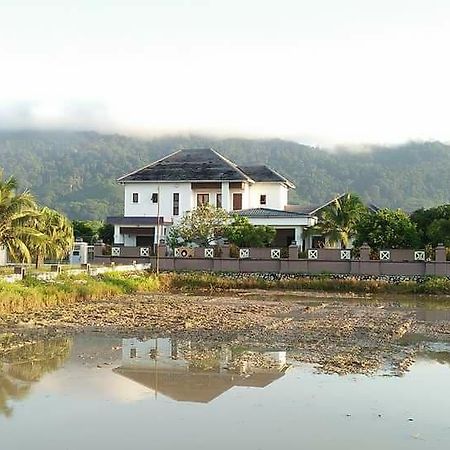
x=93 y=271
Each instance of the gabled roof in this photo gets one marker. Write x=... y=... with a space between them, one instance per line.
x=200 y=387
x=267 y=212
x=194 y=164
x=263 y=173
x=314 y=209
x=202 y=164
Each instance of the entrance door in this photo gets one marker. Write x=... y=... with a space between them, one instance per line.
x=237 y=202
x=145 y=241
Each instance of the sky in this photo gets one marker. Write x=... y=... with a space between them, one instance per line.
x=323 y=72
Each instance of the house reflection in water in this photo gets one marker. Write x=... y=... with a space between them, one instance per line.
x=186 y=372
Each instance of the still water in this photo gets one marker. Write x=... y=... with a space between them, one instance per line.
x=97 y=392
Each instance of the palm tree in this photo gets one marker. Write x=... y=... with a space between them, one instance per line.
x=338 y=220
x=16 y=212
x=55 y=238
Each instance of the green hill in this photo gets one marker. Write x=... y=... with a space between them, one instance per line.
x=76 y=171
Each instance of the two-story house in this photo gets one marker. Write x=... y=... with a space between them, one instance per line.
x=157 y=196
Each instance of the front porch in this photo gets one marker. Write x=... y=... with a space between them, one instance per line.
x=138 y=231
x=290 y=226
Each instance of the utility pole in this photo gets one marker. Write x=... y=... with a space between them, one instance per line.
x=158 y=232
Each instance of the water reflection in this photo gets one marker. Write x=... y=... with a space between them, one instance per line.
x=27 y=365
x=189 y=372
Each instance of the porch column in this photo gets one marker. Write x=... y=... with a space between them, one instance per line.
x=118 y=238
x=299 y=237
x=225 y=195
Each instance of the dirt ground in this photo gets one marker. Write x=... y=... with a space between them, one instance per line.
x=339 y=334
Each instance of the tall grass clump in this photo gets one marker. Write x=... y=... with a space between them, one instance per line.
x=32 y=294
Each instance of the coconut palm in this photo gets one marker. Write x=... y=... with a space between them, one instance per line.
x=54 y=238
x=338 y=220
x=17 y=210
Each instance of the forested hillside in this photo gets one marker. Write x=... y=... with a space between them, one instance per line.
x=76 y=171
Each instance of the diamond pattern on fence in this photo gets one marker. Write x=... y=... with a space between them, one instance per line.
x=275 y=253
x=144 y=251
x=209 y=253
x=244 y=253
x=385 y=255
x=313 y=254
x=419 y=255
x=345 y=254
x=115 y=251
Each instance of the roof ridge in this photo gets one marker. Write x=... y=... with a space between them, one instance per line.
x=206 y=155
x=149 y=165
x=232 y=164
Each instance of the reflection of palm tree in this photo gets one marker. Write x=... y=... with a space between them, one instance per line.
x=338 y=220
x=9 y=390
x=27 y=365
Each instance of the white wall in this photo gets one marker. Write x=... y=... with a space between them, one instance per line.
x=276 y=195
x=145 y=207
x=3 y=256
x=276 y=198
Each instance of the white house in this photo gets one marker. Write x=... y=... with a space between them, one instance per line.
x=157 y=195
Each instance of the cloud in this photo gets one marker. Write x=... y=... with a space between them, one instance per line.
x=72 y=115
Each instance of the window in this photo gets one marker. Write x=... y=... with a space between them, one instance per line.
x=219 y=201
x=135 y=197
x=262 y=199
x=155 y=197
x=176 y=204
x=133 y=352
x=202 y=199
x=237 y=202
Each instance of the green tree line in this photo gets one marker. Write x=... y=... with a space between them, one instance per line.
x=75 y=172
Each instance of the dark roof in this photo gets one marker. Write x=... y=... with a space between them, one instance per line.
x=201 y=387
x=373 y=208
x=314 y=209
x=120 y=220
x=202 y=164
x=198 y=164
x=265 y=174
x=267 y=212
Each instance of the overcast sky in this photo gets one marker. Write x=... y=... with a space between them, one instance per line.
x=317 y=71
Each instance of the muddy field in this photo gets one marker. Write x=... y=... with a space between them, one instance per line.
x=336 y=333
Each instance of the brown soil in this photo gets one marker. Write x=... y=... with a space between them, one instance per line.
x=335 y=334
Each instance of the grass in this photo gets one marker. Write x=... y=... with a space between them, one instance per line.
x=193 y=281
x=31 y=294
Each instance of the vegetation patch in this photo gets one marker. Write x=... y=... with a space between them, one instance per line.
x=32 y=294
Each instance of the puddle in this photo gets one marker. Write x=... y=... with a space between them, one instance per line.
x=100 y=392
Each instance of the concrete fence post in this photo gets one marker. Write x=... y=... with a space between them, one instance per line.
x=441 y=253
x=364 y=252
x=225 y=251
x=162 y=250
x=293 y=252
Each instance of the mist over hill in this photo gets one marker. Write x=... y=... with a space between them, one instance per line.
x=75 y=172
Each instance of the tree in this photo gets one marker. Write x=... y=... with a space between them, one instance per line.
x=106 y=233
x=201 y=226
x=55 y=238
x=244 y=234
x=17 y=210
x=433 y=225
x=386 y=229
x=439 y=232
x=338 y=220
